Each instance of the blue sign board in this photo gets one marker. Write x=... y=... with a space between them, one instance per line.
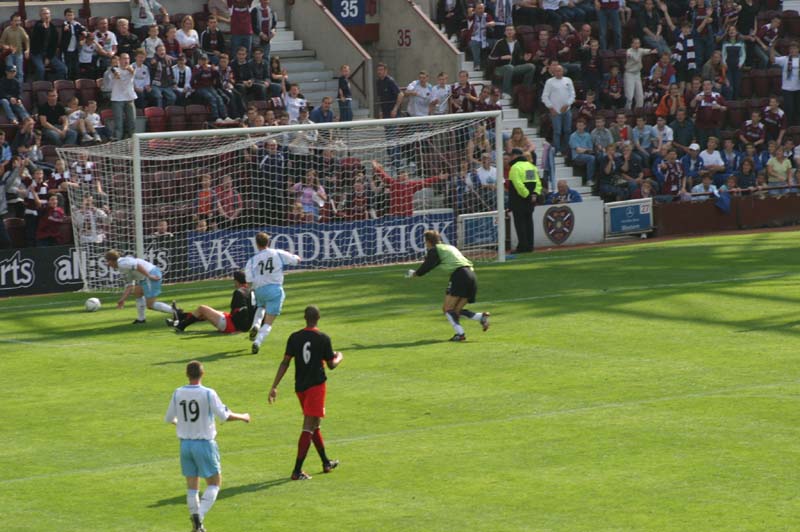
x=380 y=241
x=349 y=12
x=634 y=216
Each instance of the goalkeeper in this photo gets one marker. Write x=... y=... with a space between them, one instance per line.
x=237 y=320
x=461 y=289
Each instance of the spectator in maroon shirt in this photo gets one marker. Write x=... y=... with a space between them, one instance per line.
x=753 y=131
x=402 y=189
x=205 y=81
x=711 y=107
x=564 y=49
x=775 y=121
x=241 y=24
x=765 y=38
x=51 y=216
x=356 y=204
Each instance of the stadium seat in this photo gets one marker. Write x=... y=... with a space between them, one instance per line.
x=66 y=90
x=65 y=235
x=757 y=104
x=746 y=90
x=156 y=119
x=176 y=19
x=790 y=20
x=737 y=113
x=50 y=154
x=16 y=231
x=176 y=117
x=197 y=116
x=761 y=83
x=794 y=134
x=40 y=90
x=775 y=81
x=87 y=90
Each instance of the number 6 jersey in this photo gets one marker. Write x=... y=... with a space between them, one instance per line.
x=266 y=267
x=309 y=348
x=192 y=409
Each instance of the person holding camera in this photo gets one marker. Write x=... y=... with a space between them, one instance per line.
x=123 y=96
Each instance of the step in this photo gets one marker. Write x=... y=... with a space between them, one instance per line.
x=563 y=172
x=297 y=54
x=281 y=46
x=515 y=122
x=582 y=189
x=283 y=35
x=311 y=75
x=329 y=86
x=281 y=25
x=302 y=65
x=588 y=197
x=510 y=113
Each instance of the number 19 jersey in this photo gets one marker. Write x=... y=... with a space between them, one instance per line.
x=192 y=409
x=266 y=267
x=309 y=348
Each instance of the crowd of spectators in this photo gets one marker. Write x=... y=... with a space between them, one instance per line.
x=618 y=86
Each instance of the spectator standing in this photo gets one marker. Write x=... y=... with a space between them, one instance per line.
x=734 y=55
x=582 y=148
x=11 y=96
x=212 y=41
x=106 y=43
x=765 y=39
x=402 y=189
x=345 y=96
x=389 y=96
x=123 y=96
x=220 y=9
x=716 y=71
x=633 y=73
x=127 y=42
x=419 y=95
x=44 y=45
x=53 y=121
x=651 y=28
x=35 y=193
x=511 y=60
x=711 y=107
x=608 y=13
x=71 y=35
x=87 y=57
x=241 y=25
x=162 y=81
x=16 y=38
x=558 y=96
x=684 y=54
x=523 y=192
x=265 y=26
x=294 y=102
x=479 y=26
x=591 y=66
x=143 y=15
x=451 y=14
x=790 y=81
x=272 y=183
x=51 y=216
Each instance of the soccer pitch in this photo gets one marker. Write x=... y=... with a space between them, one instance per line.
x=638 y=387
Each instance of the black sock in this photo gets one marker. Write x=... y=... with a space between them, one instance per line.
x=467 y=313
x=188 y=320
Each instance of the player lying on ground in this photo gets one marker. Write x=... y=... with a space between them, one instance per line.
x=237 y=320
x=192 y=409
x=462 y=287
x=265 y=273
x=309 y=348
x=143 y=279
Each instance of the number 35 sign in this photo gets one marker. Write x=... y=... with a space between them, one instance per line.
x=349 y=12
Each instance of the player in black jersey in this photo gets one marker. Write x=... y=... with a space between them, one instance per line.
x=237 y=320
x=309 y=348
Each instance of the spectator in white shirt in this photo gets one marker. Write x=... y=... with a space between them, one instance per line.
x=123 y=96
x=419 y=96
x=558 y=96
x=188 y=39
x=712 y=160
x=106 y=43
x=440 y=95
x=790 y=80
x=293 y=101
x=704 y=190
x=152 y=41
x=141 y=80
x=183 y=80
x=662 y=132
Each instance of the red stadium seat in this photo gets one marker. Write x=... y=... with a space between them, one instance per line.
x=50 y=154
x=156 y=119
x=747 y=85
x=40 y=90
x=737 y=113
x=197 y=116
x=761 y=82
x=66 y=90
x=176 y=118
x=87 y=90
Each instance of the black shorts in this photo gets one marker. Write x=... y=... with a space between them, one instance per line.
x=463 y=283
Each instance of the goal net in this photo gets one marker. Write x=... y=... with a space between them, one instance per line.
x=338 y=195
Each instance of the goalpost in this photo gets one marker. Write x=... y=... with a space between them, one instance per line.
x=340 y=195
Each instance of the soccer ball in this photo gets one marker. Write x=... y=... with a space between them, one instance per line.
x=92 y=304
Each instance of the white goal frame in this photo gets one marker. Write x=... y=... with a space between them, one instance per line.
x=139 y=138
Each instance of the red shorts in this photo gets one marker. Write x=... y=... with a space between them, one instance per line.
x=312 y=400
x=230 y=328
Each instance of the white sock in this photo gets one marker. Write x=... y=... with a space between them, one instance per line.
x=456 y=326
x=162 y=307
x=478 y=316
x=193 y=501
x=141 y=304
x=209 y=497
x=263 y=332
x=259 y=317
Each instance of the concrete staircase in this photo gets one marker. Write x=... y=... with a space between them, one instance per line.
x=316 y=79
x=512 y=119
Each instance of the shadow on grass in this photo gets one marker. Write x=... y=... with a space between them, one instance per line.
x=226 y=492
x=777 y=326
x=208 y=358
x=359 y=347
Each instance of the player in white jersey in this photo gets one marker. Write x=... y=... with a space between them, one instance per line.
x=264 y=272
x=192 y=408
x=143 y=279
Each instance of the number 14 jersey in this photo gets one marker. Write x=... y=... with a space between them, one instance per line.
x=309 y=348
x=192 y=409
x=266 y=267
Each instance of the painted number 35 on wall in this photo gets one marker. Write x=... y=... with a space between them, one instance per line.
x=403 y=38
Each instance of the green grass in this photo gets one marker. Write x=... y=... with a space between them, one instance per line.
x=650 y=387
